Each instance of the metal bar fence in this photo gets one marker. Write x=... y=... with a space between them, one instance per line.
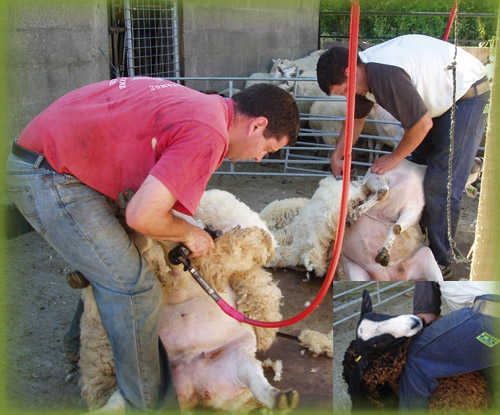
x=152 y=45
x=381 y=293
x=310 y=156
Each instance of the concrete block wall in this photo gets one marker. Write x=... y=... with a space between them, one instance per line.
x=239 y=37
x=53 y=47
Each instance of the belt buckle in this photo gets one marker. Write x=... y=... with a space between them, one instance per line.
x=38 y=161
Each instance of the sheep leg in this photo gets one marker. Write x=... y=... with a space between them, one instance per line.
x=377 y=190
x=375 y=197
x=353 y=271
x=407 y=218
x=250 y=373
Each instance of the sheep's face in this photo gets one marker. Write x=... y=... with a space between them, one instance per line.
x=373 y=362
x=400 y=326
x=372 y=324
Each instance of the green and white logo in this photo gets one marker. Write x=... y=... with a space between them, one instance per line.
x=487 y=339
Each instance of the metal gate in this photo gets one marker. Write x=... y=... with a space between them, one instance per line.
x=345 y=308
x=310 y=156
x=144 y=38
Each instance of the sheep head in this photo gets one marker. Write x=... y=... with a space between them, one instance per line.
x=374 y=361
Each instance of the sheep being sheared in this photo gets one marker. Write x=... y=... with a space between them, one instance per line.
x=383 y=241
x=374 y=361
x=212 y=356
x=306 y=239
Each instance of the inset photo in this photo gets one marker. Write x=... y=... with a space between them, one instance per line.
x=416 y=346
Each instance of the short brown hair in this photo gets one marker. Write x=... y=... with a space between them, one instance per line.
x=277 y=105
x=330 y=69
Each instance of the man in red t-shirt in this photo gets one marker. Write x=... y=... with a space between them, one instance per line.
x=161 y=140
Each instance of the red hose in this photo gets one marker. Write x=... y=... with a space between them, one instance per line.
x=450 y=21
x=351 y=88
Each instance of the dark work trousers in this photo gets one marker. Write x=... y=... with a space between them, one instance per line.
x=470 y=123
x=449 y=346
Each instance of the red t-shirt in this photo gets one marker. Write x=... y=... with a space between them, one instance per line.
x=112 y=134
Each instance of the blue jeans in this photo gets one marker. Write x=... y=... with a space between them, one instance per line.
x=470 y=123
x=445 y=348
x=79 y=224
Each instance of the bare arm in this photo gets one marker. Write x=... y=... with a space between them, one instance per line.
x=410 y=141
x=149 y=212
x=336 y=160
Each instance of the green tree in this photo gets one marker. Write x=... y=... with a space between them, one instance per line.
x=377 y=28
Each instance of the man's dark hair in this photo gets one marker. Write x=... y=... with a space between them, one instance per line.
x=330 y=69
x=277 y=105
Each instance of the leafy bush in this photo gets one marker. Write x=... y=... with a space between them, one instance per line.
x=377 y=28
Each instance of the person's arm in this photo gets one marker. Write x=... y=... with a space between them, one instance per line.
x=336 y=159
x=410 y=141
x=427 y=301
x=149 y=212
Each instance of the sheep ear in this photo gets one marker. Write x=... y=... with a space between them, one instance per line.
x=366 y=304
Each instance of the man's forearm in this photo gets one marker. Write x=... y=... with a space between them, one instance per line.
x=413 y=137
x=359 y=123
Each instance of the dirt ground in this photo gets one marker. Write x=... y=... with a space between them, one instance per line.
x=41 y=306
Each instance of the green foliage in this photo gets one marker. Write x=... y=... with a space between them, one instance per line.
x=377 y=28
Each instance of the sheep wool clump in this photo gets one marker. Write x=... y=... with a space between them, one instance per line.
x=317 y=342
x=373 y=380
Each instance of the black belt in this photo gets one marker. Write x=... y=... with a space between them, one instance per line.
x=38 y=160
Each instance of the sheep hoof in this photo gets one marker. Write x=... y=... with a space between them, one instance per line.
x=287 y=399
x=383 y=257
x=77 y=280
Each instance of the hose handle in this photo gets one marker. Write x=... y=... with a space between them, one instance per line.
x=179 y=255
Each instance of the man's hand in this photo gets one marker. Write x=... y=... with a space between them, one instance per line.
x=337 y=163
x=199 y=242
x=149 y=212
x=428 y=318
x=385 y=163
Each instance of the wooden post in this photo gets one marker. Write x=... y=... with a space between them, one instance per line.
x=486 y=259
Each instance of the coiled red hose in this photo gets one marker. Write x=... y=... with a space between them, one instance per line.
x=351 y=88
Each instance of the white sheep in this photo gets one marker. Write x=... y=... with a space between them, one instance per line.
x=306 y=239
x=306 y=67
x=304 y=64
x=303 y=67
x=212 y=356
x=383 y=241
x=338 y=108
x=260 y=77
